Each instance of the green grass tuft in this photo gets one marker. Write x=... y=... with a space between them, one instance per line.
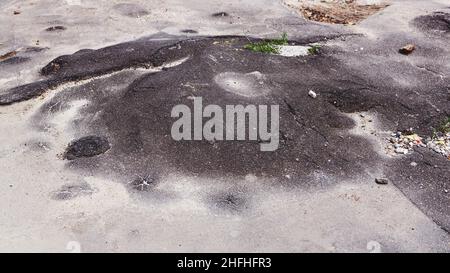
x=314 y=49
x=270 y=46
x=444 y=128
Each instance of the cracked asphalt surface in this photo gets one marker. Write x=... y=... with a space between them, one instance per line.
x=317 y=192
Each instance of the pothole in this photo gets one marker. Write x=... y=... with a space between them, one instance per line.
x=87 y=147
x=346 y=12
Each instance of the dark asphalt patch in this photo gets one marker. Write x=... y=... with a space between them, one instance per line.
x=435 y=23
x=427 y=185
x=88 y=146
x=315 y=139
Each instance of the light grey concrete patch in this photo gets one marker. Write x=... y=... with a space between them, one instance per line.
x=294 y=51
x=247 y=85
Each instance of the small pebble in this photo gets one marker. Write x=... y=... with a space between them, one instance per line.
x=312 y=94
x=408 y=49
x=401 y=151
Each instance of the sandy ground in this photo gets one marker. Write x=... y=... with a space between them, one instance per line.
x=349 y=216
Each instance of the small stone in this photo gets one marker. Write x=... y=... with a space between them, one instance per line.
x=312 y=94
x=446 y=191
x=401 y=151
x=381 y=181
x=414 y=164
x=16 y=12
x=407 y=49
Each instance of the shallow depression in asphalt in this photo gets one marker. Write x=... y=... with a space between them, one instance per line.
x=247 y=85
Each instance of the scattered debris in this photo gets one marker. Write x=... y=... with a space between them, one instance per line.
x=440 y=141
x=403 y=144
x=407 y=49
x=381 y=181
x=347 y=12
x=88 y=146
x=440 y=145
x=312 y=94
